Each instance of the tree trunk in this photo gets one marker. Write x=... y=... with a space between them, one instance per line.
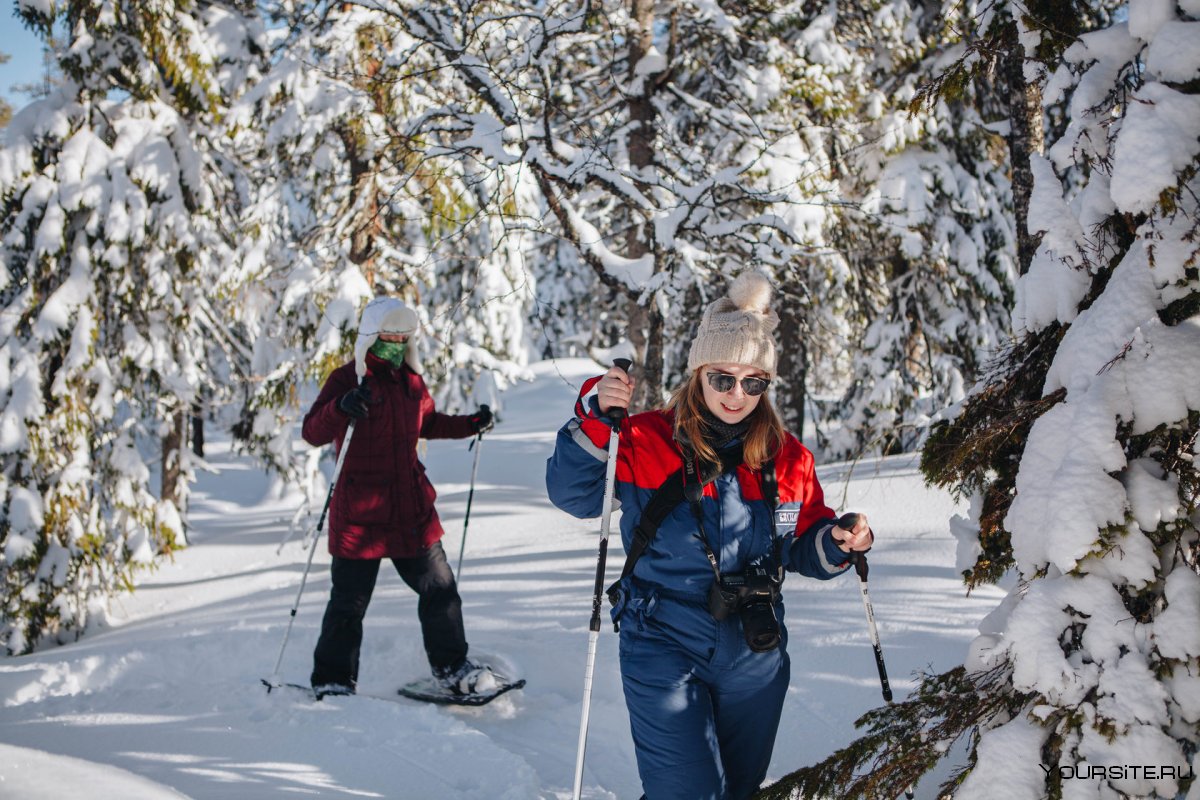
x=645 y=323
x=197 y=430
x=641 y=110
x=1025 y=138
x=646 y=335
x=172 y=451
x=367 y=224
x=792 y=392
x=364 y=167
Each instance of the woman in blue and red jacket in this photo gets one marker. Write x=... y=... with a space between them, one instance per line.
x=704 y=672
x=382 y=506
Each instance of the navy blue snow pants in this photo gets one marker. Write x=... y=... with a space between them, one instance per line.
x=703 y=720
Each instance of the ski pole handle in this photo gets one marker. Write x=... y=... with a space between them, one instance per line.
x=616 y=414
x=479 y=434
x=847 y=522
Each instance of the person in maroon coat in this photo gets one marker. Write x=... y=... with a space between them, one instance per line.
x=383 y=505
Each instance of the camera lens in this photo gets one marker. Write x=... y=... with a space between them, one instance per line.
x=759 y=625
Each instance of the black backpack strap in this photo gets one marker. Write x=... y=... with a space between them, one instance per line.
x=664 y=500
x=666 y=497
x=770 y=486
x=673 y=491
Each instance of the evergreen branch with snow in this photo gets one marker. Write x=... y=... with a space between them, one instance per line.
x=972 y=452
x=905 y=740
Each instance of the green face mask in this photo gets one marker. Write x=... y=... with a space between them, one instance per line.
x=391 y=352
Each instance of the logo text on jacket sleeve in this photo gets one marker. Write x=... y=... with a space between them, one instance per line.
x=786 y=517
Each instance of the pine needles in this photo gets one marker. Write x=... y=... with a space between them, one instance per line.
x=906 y=739
x=978 y=451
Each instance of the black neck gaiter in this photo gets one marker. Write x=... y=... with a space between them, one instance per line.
x=719 y=434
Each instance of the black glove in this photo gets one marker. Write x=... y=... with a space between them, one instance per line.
x=482 y=420
x=354 y=402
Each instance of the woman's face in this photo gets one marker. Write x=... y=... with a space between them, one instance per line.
x=398 y=338
x=733 y=405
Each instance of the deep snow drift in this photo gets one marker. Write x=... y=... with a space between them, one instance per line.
x=167 y=701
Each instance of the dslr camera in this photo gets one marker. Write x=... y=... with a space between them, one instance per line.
x=751 y=594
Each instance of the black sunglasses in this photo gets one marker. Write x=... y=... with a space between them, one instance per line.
x=723 y=382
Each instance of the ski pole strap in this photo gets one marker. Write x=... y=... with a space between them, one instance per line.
x=581 y=410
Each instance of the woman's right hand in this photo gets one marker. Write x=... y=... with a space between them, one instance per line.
x=614 y=390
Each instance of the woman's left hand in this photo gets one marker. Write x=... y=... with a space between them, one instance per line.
x=858 y=538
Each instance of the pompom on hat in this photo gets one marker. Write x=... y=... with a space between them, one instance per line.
x=386 y=315
x=739 y=328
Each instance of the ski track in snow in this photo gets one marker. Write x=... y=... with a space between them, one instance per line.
x=166 y=701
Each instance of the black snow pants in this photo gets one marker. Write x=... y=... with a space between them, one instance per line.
x=439 y=609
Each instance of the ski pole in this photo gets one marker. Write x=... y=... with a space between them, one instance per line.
x=859 y=559
x=291 y=531
x=274 y=681
x=477 y=444
x=610 y=480
x=287 y=537
x=847 y=522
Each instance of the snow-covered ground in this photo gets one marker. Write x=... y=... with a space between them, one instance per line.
x=167 y=702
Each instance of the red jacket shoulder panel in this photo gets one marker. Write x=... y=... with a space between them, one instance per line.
x=795 y=468
x=796 y=474
x=751 y=482
x=647 y=453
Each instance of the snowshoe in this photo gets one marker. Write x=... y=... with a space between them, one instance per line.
x=468 y=684
x=323 y=690
x=319 y=692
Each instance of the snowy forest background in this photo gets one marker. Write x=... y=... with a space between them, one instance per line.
x=981 y=219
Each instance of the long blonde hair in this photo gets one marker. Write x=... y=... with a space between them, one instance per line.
x=762 y=442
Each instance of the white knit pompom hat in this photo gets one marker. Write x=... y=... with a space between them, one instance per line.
x=738 y=329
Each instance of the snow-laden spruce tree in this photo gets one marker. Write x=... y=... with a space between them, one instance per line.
x=349 y=202
x=1103 y=634
x=1085 y=682
x=310 y=230
x=759 y=98
x=113 y=221
x=665 y=142
x=926 y=230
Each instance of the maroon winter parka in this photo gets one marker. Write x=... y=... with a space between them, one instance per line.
x=383 y=504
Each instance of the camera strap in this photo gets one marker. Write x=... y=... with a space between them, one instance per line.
x=770 y=490
x=686 y=483
x=666 y=498
x=693 y=489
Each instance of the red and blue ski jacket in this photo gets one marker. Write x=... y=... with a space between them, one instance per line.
x=738 y=523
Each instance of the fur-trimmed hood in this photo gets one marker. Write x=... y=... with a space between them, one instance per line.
x=387 y=315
